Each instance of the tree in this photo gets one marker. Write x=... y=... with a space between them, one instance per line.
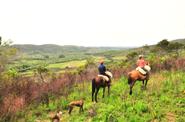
x=146 y=46
x=40 y=70
x=131 y=55
x=7 y=52
x=46 y=56
x=175 y=46
x=163 y=44
x=61 y=56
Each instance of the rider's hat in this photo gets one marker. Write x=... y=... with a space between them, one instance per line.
x=141 y=56
x=101 y=61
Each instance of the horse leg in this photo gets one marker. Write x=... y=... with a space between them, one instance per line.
x=131 y=86
x=143 y=82
x=93 y=89
x=103 y=92
x=146 y=83
x=96 y=94
x=70 y=109
x=108 y=90
x=146 y=80
x=130 y=90
x=80 y=109
x=142 y=87
x=92 y=96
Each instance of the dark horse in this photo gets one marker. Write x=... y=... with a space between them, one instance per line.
x=97 y=83
x=135 y=75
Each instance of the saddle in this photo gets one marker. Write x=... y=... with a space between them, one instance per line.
x=104 y=77
x=144 y=70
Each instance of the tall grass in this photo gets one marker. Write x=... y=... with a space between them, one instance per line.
x=163 y=100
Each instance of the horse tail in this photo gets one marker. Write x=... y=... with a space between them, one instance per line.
x=93 y=85
x=129 y=79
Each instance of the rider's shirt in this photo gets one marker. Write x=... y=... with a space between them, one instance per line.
x=141 y=63
x=102 y=69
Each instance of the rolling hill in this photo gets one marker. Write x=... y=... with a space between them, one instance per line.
x=57 y=49
x=179 y=40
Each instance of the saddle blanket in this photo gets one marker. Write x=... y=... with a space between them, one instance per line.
x=142 y=71
x=109 y=74
x=105 y=78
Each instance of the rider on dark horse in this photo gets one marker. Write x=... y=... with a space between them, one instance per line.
x=102 y=69
x=102 y=80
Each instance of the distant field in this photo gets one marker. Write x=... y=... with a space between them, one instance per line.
x=119 y=58
x=57 y=58
x=26 y=65
x=70 y=64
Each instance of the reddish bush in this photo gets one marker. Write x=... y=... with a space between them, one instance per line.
x=11 y=104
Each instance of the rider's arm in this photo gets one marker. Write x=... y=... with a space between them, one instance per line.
x=104 y=68
x=146 y=63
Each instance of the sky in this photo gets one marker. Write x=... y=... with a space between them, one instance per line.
x=92 y=22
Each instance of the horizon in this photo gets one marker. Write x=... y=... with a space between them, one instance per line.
x=96 y=46
x=83 y=46
x=92 y=23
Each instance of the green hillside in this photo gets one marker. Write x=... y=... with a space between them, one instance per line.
x=67 y=49
x=55 y=57
x=179 y=41
x=162 y=101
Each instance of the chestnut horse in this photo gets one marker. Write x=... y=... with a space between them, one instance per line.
x=135 y=75
x=97 y=83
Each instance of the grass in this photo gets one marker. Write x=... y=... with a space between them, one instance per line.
x=119 y=58
x=162 y=101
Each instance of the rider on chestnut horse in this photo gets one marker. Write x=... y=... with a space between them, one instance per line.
x=142 y=66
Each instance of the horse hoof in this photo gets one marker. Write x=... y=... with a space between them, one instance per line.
x=130 y=93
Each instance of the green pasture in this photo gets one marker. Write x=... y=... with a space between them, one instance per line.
x=70 y=64
x=119 y=58
x=162 y=101
x=54 y=64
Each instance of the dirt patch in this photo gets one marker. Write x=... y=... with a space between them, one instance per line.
x=171 y=117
